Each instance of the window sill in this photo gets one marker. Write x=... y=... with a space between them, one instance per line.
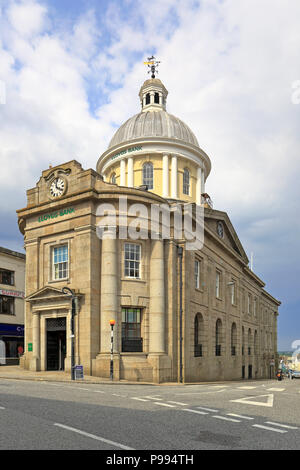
x=52 y=281
x=133 y=279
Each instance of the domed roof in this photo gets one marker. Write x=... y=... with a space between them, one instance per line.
x=154 y=123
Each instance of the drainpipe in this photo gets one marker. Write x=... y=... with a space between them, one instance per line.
x=180 y=255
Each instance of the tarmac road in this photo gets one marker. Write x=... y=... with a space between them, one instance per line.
x=104 y=416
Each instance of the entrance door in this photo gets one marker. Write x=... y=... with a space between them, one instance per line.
x=250 y=372
x=56 y=343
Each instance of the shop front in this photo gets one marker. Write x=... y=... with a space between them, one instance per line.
x=11 y=343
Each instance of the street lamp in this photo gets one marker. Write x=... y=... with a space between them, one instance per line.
x=68 y=291
x=112 y=324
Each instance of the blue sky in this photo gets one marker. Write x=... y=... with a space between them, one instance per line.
x=72 y=71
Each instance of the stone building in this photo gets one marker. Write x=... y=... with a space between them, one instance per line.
x=181 y=314
x=12 y=293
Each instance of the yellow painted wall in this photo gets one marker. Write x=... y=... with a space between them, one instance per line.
x=157 y=162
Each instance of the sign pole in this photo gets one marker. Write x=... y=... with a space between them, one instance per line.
x=112 y=324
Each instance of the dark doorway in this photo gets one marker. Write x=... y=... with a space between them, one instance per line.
x=243 y=372
x=56 y=343
x=250 y=372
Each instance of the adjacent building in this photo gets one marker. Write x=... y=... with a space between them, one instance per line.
x=181 y=313
x=12 y=293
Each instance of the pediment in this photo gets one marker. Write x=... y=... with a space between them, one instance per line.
x=230 y=237
x=47 y=293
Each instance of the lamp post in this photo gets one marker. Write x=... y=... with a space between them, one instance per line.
x=112 y=324
x=180 y=255
x=68 y=291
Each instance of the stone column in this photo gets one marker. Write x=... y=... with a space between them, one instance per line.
x=166 y=176
x=130 y=172
x=109 y=292
x=122 y=172
x=35 y=361
x=199 y=190
x=157 y=299
x=174 y=178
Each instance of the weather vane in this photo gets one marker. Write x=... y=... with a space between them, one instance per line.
x=153 y=65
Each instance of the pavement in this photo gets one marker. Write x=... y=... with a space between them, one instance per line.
x=18 y=373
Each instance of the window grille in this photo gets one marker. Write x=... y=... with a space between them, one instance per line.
x=186 y=182
x=148 y=175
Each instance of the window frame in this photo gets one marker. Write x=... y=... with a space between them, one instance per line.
x=53 y=264
x=186 y=182
x=138 y=261
x=11 y=274
x=218 y=284
x=146 y=177
x=197 y=275
x=11 y=303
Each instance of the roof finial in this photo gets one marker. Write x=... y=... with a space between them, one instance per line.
x=153 y=65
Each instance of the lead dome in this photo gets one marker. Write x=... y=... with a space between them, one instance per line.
x=176 y=165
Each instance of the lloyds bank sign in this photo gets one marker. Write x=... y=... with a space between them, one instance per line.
x=124 y=152
x=54 y=215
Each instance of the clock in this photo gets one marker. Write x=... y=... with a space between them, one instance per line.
x=220 y=229
x=58 y=187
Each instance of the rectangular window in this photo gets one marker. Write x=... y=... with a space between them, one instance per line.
x=60 y=262
x=7 y=305
x=131 y=330
x=197 y=274
x=218 y=281
x=232 y=292
x=249 y=303
x=7 y=277
x=254 y=307
x=132 y=260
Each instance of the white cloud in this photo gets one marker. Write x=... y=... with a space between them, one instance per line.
x=229 y=67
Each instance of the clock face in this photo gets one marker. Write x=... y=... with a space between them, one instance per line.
x=220 y=229
x=58 y=187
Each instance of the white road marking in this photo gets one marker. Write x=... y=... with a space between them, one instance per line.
x=195 y=411
x=139 y=399
x=276 y=389
x=154 y=398
x=207 y=409
x=281 y=425
x=227 y=419
x=177 y=403
x=164 y=404
x=92 y=436
x=267 y=428
x=249 y=400
x=239 y=416
x=246 y=387
x=97 y=391
x=116 y=395
x=2 y=408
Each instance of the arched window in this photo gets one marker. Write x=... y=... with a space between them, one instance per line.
x=249 y=342
x=255 y=342
x=156 y=98
x=233 y=339
x=198 y=335
x=218 y=337
x=186 y=182
x=243 y=341
x=113 y=178
x=148 y=175
x=148 y=98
